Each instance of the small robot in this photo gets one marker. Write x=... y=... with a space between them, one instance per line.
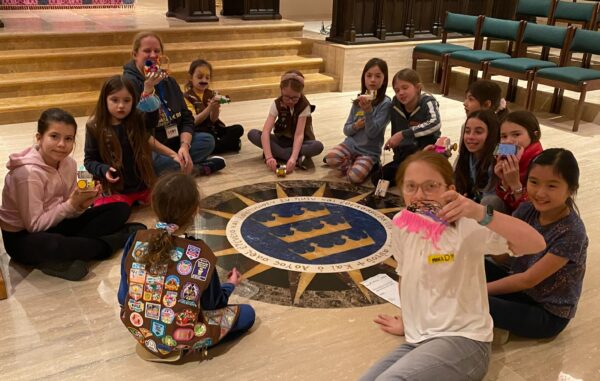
x=85 y=180
x=369 y=95
x=222 y=99
x=281 y=171
x=444 y=146
x=151 y=66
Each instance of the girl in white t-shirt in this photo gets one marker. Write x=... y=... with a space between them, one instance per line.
x=439 y=242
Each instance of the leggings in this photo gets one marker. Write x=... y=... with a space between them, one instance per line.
x=356 y=167
x=227 y=139
x=281 y=147
x=71 y=239
x=519 y=313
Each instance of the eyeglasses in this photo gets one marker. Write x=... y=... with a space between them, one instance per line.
x=428 y=187
x=290 y=99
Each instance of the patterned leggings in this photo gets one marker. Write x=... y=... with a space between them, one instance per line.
x=356 y=167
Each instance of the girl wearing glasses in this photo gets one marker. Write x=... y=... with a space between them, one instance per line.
x=439 y=242
x=365 y=127
x=289 y=118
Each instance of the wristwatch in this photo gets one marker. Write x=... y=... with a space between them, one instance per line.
x=487 y=218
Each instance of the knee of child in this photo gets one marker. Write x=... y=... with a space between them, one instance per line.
x=248 y=314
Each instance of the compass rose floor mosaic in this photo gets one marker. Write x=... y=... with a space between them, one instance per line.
x=301 y=243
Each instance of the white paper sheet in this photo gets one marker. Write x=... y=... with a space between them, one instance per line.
x=385 y=287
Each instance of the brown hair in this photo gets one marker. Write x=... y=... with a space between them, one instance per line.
x=137 y=40
x=438 y=162
x=175 y=200
x=101 y=128
x=193 y=66
x=408 y=75
x=528 y=121
x=382 y=65
x=55 y=115
x=485 y=90
x=296 y=84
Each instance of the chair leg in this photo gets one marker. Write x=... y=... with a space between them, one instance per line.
x=446 y=78
x=438 y=73
x=531 y=101
x=472 y=76
x=414 y=63
x=529 y=86
x=486 y=68
x=509 y=89
x=579 y=110
x=557 y=98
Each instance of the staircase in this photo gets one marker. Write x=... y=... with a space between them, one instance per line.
x=66 y=70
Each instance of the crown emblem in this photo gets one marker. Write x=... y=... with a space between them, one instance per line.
x=349 y=244
x=298 y=235
x=306 y=215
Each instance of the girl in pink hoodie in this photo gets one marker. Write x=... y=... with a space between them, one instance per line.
x=46 y=220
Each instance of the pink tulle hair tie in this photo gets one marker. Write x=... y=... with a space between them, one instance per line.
x=502 y=105
x=293 y=76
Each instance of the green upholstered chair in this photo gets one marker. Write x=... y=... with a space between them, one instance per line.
x=580 y=79
x=474 y=59
x=523 y=67
x=528 y=9
x=570 y=12
x=465 y=25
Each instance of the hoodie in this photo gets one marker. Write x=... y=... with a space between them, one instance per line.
x=173 y=109
x=36 y=195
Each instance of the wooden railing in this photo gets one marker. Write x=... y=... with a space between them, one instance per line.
x=372 y=21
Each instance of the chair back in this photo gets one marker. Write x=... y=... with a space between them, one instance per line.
x=459 y=23
x=501 y=29
x=545 y=35
x=585 y=13
x=586 y=42
x=535 y=8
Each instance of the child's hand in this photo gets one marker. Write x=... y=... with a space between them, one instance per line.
x=271 y=163
x=510 y=168
x=214 y=104
x=111 y=175
x=365 y=104
x=234 y=277
x=394 y=141
x=359 y=124
x=459 y=206
x=390 y=324
x=153 y=79
x=429 y=147
x=290 y=165
x=83 y=200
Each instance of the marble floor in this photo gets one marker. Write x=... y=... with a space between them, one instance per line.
x=53 y=329
x=56 y=330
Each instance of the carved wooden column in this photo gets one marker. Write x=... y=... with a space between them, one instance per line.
x=380 y=31
x=409 y=27
x=192 y=10
x=436 y=27
x=343 y=28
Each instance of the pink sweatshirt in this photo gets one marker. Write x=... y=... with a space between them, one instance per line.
x=36 y=195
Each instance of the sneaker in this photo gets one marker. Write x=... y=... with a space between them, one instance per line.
x=302 y=161
x=69 y=270
x=210 y=165
x=501 y=336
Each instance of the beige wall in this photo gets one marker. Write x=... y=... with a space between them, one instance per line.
x=306 y=9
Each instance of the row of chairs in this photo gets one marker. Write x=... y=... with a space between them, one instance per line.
x=515 y=63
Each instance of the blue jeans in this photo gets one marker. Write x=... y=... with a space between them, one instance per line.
x=202 y=145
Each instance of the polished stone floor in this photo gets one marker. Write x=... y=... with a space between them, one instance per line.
x=57 y=330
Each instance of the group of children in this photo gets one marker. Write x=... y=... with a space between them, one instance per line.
x=172 y=301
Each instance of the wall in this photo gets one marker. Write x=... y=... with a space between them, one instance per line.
x=306 y=9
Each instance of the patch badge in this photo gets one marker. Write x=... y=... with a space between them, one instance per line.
x=158 y=329
x=136 y=291
x=192 y=252
x=223 y=332
x=167 y=315
x=172 y=283
x=164 y=349
x=184 y=267
x=169 y=341
x=138 y=336
x=136 y=319
x=176 y=254
x=152 y=311
x=186 y=318
x=183 y=334
x=152 y=292
x=150 y=344
x=139 y=250
x=190 y=292
x=138 y=266
x=203 y=343
x=170 y=298
x=200 y=330
x=201 y=268
x=145 y=332
x=137 y=275
x=135 y=305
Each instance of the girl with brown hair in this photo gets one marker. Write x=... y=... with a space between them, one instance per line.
x=116 y=145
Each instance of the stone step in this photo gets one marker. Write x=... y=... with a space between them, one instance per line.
x=42 y=60
x=199 y=32
x=91 y=79
x=29 y=108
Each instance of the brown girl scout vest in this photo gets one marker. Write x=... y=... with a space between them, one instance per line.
x=199 y=105
x=285 y=125
x=162 y=311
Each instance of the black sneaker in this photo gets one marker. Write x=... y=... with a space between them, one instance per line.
x=209 y=166
x=69 y=270
x=302 y=162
